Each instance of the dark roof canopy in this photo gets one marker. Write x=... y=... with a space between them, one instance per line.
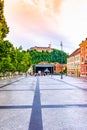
x=44 y=65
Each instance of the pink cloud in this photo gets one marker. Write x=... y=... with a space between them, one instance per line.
x=31 y=17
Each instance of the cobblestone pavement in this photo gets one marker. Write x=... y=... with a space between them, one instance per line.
x=43 y=103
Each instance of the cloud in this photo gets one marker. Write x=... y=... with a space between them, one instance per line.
x=36 y=21
x=36 y=2
x=56 y=5
x=31 y=17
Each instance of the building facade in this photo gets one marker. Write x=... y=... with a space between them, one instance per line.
x=83 y=58
x=59 y=67
x=73 y=63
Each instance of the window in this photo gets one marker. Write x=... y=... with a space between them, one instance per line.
x=82 y=59
x=86 y=48
x=86 y=58
x=86 y=68
x=54 y=68
x=82 y=50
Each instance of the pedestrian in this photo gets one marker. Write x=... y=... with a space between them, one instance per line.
x=26 y=74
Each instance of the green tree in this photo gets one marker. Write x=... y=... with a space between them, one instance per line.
x=5 y=48
x=3 y=25
x=23 y=60
x=26 y=62
x=54 y=56
x=6 y=65
x=7 y=57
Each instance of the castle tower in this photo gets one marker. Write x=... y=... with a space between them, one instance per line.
x=49 y=46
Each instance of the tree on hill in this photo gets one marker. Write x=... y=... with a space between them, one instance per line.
x=54 y=56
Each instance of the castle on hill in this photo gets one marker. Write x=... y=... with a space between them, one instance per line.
x=40 y=49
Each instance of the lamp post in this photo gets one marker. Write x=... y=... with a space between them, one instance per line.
x=51 y=69
x=51 y=64
x=77 y=70
x=61 y=59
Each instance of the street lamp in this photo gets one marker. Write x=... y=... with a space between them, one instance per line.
x=51 y=64
x=61 y=59
x=51 y=69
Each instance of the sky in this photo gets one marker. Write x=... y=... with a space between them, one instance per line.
x=42 y=22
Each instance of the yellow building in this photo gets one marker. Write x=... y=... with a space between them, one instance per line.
x=73 y=63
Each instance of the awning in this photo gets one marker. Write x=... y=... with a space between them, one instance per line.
x=46 y=70
x=44 y=65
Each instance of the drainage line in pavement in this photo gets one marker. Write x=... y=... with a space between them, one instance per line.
x=36 y=122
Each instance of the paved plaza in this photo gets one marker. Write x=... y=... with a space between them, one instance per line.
x=43 y=103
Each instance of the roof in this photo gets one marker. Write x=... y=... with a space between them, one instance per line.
x=83 y=42
x=39 y=47
x=44 y=65
x=43 y=62
x=46 y=70
x=77 y=51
